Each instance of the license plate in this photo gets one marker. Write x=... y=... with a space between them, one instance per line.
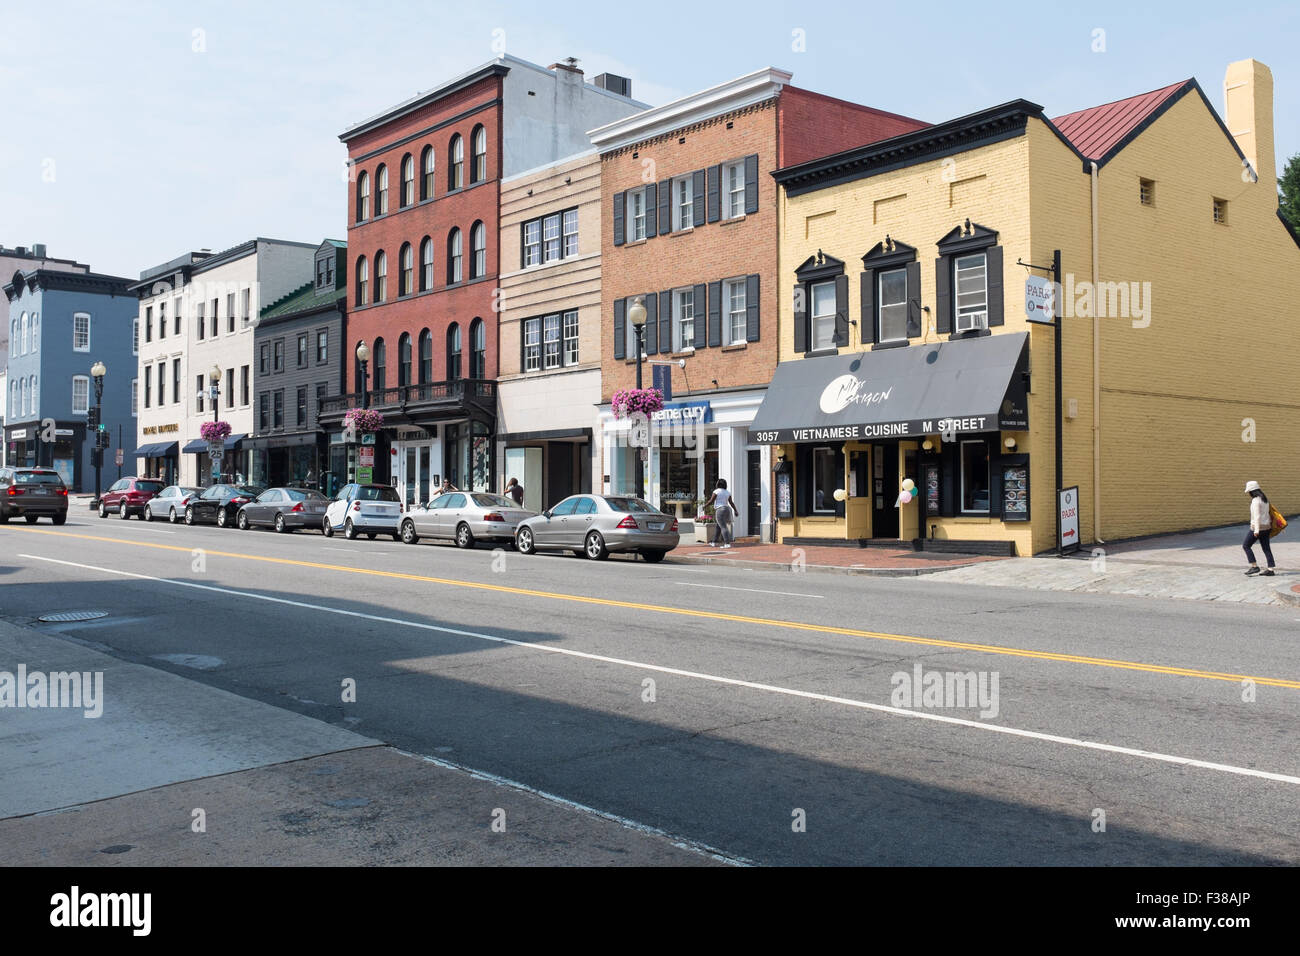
x=656 y=525
x=40 y=491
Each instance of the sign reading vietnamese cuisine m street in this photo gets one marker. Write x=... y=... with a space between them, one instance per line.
x=903 y=429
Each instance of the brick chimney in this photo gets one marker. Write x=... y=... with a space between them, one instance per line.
x=1248 y=112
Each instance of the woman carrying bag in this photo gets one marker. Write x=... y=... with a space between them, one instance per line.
x=1261 y=524
x=723 y=512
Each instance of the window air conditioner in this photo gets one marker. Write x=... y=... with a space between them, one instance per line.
x=972 y=321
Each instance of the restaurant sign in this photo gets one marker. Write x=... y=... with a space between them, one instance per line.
x=683 y=413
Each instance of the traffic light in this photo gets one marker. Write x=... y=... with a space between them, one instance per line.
x=102 y=440
x=92 y=417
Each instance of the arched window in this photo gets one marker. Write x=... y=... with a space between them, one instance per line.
x=34 y=394
x=381 y=191
x=404 y=360
x=453 y=257
x=426 y=177
x=426 y=357
x=377 y=358
x=408 y=180
x=23 y=334
x=453 y=351
x=381 y=276
x=36 y=330
x=478 y=251
x=478 y=168
x=477 y=350
x=456 y=164
x=363 y=197
x=363 y=280
x=426 y=264
x=404 y=280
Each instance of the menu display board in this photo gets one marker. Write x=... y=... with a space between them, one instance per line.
x=784 y=495
x=930 y=482
x=1015 y=492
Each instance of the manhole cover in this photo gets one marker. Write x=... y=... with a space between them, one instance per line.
x=63 y=617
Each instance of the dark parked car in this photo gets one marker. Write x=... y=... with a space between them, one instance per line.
x=219 y=503
x=170 y=503
x=128 y=496
x=285 y=509
x=32 y=493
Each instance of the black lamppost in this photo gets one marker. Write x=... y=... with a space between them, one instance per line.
x=214 y=391
x=363 y=356
x=636 y=315
x=97 y=372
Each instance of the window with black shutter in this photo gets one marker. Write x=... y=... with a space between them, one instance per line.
x=666 y=321
x=651 y=344
x=752 y=330
x=698 y=190
x=618 y=218
x=751 y=184
x=890 y=295
x=714 y=174
x=620 y=328
x=968 y=281
x=821 y=304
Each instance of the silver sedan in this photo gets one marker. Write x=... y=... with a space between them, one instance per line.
x=465 y=517
x=596 y=525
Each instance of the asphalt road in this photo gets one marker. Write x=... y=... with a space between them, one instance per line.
x=727 y=706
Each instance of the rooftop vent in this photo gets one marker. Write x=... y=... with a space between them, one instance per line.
x=614 y=83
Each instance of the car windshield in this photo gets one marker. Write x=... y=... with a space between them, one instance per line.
x=153 y=486
x=377 y=493
x=493 y=501
x=631 y=504
x=37 y=478
x=251 y=491
x=297 y=494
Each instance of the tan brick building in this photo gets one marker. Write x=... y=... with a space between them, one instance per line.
x=689 y=232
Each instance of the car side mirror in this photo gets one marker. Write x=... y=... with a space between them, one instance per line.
x=546 y=515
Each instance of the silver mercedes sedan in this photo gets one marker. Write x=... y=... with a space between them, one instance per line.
x=596 y=525
x=465 y=517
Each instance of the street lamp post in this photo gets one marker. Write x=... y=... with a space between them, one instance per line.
x=97 y=372
x=214 y=391
x=363 y=356
x=636 y=315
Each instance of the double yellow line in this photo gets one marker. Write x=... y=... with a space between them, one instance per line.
x=711 y=615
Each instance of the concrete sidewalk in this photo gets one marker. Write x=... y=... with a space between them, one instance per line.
x=887 y=562
x=269 y=786
x=1201 y=565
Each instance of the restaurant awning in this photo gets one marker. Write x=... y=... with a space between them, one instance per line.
x=964 y=385
x=162 y=449
x=199 y=445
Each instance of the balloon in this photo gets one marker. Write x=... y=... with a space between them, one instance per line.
x=840 y=494
x=908 y=484
x=905 y=497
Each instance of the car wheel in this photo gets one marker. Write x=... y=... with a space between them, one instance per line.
x=464 y=537
x=653 y=557
x=595 y=547
x=349 y=530
x=103 y=509
x=4 y=519
x=524 y=541
x=148 y=513
x=326 y=528
x=242 y=521
x=189 y=514
x=408 y=535
x=59 y=519
x=279 y=524
x=171 y=515
x=122 y=512
x=223 y=518
x=30 y=519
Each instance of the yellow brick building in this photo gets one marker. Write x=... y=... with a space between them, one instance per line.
x=906 y=351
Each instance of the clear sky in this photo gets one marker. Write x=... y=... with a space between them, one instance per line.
x=137 y=131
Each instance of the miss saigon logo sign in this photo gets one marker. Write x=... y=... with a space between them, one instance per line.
x=850 y=390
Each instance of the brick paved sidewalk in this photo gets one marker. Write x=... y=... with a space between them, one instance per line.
x=883 y=561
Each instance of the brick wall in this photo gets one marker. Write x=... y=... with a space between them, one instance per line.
x=814 y=125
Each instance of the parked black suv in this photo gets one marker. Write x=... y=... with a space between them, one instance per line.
x=32 y=493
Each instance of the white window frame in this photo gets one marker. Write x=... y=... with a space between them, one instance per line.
x=426 y=264
x=457 y=264
x=635 y=218
x=731 y=335
x=36 y=331
x=683 y=202
x=825 y=320
x=733 y=196
x=135 y=336
x=532 y=345
x=570 y=337
x=827 y=507
x=478 y=251
x=76 y=316
x=135 y=397
x=881 y=305
x=552 y=342
x=162 y=319
x=532 y=243
x=569 y=236
x=552 y=240
x=961 y=311
x=381 y=191
x=246 y=300
x=961 y=465
x=24 y=327
x=177 y=323
x=84 y=407
x=682 y=321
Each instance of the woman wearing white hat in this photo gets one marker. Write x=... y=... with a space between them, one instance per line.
x=1260 y=527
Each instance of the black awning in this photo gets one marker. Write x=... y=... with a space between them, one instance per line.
x=164 y=449
x=200 y=445
x=964 y=385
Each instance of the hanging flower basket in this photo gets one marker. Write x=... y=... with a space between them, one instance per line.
x=628 y=401
x=363 y=419
x=214 y=431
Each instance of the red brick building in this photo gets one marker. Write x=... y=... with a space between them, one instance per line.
x=690 y=231
x=423 y=260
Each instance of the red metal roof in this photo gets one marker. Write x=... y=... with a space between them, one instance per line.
x=1098 y=130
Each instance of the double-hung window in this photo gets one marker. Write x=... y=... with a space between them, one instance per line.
x=322 y=346
x=202 y=322
x=552 y=357
x=230 y=312
x=570 y=232
x=279 y=355
x=176 y=317
x=243 y=384
x=891 y=308
x=635 y=215
x=176 y=382
x=532 y=345
x=733 y=302
x=571 y=337
x=733 y=189
x=162 y=320
x=302 y=351
x=81 y=332
x=971 y=274
x=264 y=360
x=532 y=243
x=80 y=394
x=551 y=238
x=278 y=420
x=683 y=320
x=246 y=301
x=683 y=203
x=264 y=411
x=823 y=315
x=302 y=406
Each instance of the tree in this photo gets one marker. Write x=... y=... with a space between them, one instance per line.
x=1289 y=188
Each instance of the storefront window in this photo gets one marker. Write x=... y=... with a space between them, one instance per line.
x=975 y=477
x=622 y=469
x=679 y=475
x=826 y=479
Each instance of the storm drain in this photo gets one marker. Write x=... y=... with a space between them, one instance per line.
x=64 y=617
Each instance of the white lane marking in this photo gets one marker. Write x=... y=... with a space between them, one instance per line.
x=713 y=678
x=679 y=842
x=723 y=587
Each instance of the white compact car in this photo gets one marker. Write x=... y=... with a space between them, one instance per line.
x=364 y=509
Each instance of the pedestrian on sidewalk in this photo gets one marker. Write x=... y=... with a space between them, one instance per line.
x=516 y=491
x=723 y=512
x=1260 y=528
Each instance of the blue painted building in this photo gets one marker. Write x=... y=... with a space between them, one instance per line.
x=60 y=324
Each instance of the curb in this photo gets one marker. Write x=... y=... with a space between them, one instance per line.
x=820 y=568
x=1286 y=595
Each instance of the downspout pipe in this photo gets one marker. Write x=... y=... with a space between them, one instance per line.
x=1096 y=365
